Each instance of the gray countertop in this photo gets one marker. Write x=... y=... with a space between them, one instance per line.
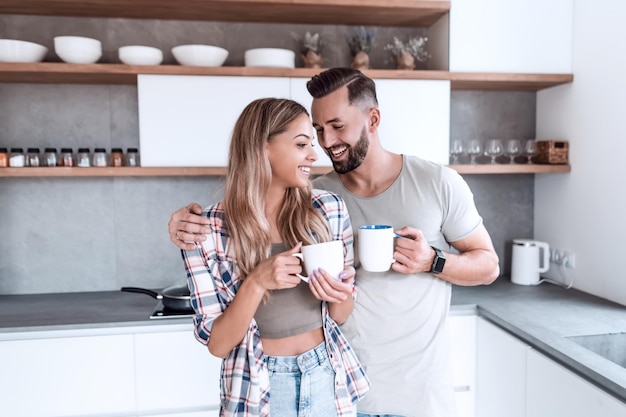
x=542 y=316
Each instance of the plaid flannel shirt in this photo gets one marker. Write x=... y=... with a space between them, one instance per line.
x=213 y=283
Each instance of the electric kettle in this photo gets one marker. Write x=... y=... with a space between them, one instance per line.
x=530 y=258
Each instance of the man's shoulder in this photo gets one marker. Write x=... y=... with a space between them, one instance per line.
x=424 y=168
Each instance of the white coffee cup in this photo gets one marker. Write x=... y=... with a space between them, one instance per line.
x=325 y=255
x=375 y=244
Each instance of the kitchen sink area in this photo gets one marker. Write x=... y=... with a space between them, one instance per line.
x=611 y=346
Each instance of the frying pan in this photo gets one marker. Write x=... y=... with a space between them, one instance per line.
x=174 y=297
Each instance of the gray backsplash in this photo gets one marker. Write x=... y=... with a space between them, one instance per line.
x=97 y=234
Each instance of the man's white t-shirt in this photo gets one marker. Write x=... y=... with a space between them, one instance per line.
x=398 y=326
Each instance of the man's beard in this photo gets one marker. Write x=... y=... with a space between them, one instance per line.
x=356 y=155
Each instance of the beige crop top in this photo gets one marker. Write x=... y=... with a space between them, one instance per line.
x=290 y=311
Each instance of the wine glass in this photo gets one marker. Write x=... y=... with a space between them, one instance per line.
x=513 y=149
x=457 y=149
x=474 y=149
x=494 y=149
x=530 y=150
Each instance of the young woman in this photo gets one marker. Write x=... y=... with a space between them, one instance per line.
x=283 y=351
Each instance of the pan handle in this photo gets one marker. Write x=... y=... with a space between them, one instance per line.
x=151 y=293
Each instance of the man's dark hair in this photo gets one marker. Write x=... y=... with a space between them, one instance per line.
x=361 y=89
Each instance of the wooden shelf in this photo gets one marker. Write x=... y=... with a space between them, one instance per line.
x=56 y=72
x=511 y=169
x=338 y=12
x=220 y=171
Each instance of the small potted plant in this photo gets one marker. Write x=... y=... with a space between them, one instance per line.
x=406 y=54
x=310 y=49
x=360 y=44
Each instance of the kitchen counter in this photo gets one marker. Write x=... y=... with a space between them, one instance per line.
x=542 y=316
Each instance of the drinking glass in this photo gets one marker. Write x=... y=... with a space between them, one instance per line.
x=474 y=149
x=494 y=149
x=530 y=150
x=513 y=149
x=457 y=150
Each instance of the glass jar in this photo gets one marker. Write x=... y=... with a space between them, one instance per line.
x=132 y=157
x=117 y=157
x=32 y=157
x=66 y=159
x=4 y=157
x=50 y=157
x=82 y=158
x=17 y=157
x=99 y=157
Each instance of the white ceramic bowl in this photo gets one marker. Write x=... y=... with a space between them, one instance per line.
x=270 y=57
x=200 y=55
x=140 y=55
x=78 y=49
x=13 y=50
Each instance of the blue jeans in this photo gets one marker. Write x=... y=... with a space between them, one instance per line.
x=376 y=415
x=302 y=386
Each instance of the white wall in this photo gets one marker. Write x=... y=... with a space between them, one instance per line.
x=585 y=210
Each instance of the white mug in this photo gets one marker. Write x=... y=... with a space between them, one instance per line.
x=325 y=255
x=376 y=247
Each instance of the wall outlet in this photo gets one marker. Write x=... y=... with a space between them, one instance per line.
x=563 y=258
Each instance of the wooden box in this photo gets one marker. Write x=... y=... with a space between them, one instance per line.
x=553 y=152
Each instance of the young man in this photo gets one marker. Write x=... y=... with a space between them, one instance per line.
x=398 y=326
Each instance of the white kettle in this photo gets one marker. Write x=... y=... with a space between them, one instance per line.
x=530 y=258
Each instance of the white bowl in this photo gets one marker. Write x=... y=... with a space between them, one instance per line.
x=140 y=55
x=270 y=57
x=200 y=55
x=13 y=50
x=78 y=49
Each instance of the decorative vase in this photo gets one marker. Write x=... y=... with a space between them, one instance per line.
x=312 y=59
x=406 y=61
x=361 y=61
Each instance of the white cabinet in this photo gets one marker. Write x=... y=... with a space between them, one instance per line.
x=415 y=117
x=69 y=376
x=175 y=371
x=122 y=372
x=463 y=362
x=500 y=373
x=553 y=390
x=516 y=36
x=188 y=120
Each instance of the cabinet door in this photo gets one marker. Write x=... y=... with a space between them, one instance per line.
x=463 y=359
x=188 y=120
x=555 y=391
x=500 y=373
x=175 y=372
x=415 y=117
x=77 y=376
x=519 y=36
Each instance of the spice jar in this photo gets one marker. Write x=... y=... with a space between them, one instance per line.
x=99 y=157
x=17 y=157
x=132 y=157
x=66 y=159
x=117 y=157
x=82 y=158
x=4 y=158
x=32 y=157
x=49 y=157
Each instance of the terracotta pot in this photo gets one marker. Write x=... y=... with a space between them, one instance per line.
x=406 y=61
x=361 y=61
x=312 y=59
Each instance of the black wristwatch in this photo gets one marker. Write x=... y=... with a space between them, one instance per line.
x=438 y=262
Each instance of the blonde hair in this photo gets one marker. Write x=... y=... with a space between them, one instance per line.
x=248 y=179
